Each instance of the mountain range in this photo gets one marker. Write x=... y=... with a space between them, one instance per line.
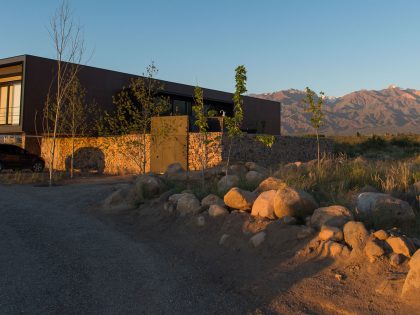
x=392 y=110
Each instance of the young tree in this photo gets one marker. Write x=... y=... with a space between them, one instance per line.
x=69 y=49
x=135 y=107
x=314 y=106
x=233 y=124
x=75 y=113
x=202 y=124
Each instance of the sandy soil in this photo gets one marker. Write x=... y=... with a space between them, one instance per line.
x=284 y=275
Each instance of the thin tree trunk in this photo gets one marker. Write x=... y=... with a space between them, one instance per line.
x=317 y=140
x=72 y=157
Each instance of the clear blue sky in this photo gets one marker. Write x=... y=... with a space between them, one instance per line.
x=333 y=45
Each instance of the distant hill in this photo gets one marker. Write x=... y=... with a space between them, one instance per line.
x=392 y=110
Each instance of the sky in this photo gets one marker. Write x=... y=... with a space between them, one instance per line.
x=336 y=46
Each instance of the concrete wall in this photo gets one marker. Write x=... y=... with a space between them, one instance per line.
x=121 y=155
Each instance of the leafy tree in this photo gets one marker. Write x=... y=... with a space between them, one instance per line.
x=233 y=124
x=202 y=124
x=134 y=108
x=266 y=140
x=314 y=104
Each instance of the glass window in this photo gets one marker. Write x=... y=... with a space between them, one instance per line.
x=10 y=96
x=14 y=104
x=180 y=107
x=3 y=104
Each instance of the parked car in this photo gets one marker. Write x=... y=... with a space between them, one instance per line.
x=14 y=157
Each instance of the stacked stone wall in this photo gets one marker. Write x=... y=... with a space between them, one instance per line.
x=122 y=155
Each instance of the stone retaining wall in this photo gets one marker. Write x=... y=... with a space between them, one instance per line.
x=284 y=149
x=122 y=155
x=108 y=155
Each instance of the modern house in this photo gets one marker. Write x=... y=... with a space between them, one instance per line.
x=26 y=80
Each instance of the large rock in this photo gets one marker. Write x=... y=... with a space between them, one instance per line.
x=175 y=171
x=335 y=216
x=252 y=166
x=212 y=200
x=264 y=205
x=270 y=183
x=236 y=169
x=188 y=204
x=293 y=203
x=216 y=210
x=401 y=245
x=374 y=250
x=253 y=177
x=411 y=288
x=330 y=233
x=384 y=211
x=227 y=182
x=237 y=198
x=148 y=186
x=121 y=199
x=355 y=235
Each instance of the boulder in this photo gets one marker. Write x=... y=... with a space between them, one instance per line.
x=216 y=210
x=212 y=200
x=401 y=245
x=334 y=249
x=188 y=204
x=175 y=197
x=411 y=288
x=227 y=182
x=332 y=216
x=264 y=205
x=257 y=239
x=175 y=171
x=383 y=210
x=293 y=203
x=355 y=235
x=252 y=166
x=381 y=235
x=236 y=169
x=254 y=177
x=396 y=259
x=240 y=199
x=270 y=183
x=148 y=186
x=121 y=199
x=330 y=233
x=373 y=250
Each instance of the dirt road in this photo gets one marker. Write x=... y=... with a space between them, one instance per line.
x=57 y=259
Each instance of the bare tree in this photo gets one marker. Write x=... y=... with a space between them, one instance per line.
x=69 y=49
x=74 y=117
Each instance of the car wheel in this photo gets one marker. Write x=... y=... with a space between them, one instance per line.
x=37 y=167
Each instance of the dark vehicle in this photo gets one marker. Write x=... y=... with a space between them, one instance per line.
x=14 y=157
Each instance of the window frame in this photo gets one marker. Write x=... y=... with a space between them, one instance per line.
x=9 y=100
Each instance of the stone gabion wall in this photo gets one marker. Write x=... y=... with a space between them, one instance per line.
x=122 y=155
x=108 y=155
x=213 y=148
x=285 y=149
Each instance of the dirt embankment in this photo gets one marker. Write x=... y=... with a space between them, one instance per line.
x=288 y=273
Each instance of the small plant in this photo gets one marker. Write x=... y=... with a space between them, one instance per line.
x=314 y=106
x=266 y=140
x=233 y=124
x=202 y=124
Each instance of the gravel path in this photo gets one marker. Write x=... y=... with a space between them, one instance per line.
x=56 y=259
